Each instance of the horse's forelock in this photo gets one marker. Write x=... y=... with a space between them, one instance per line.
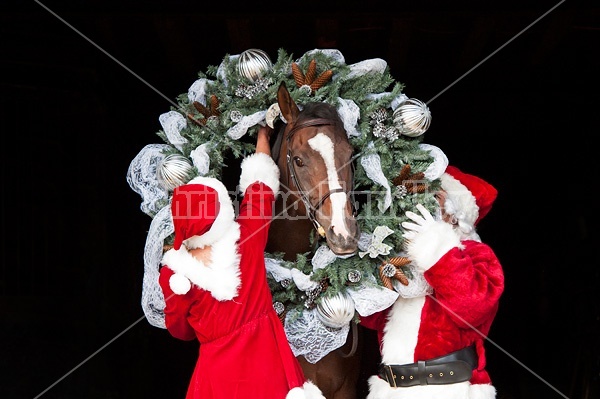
x=315 y=110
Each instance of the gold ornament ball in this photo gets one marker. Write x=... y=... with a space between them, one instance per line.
x=253 y=63
x=412 y=118
x=173 y=171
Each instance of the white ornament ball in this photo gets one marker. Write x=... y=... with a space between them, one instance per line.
x=412 y=118
x=253 y=63
x=335 y=311
x=173 y=171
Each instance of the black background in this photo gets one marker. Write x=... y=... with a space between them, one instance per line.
x=73 y=118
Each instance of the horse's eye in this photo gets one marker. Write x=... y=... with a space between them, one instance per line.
x=298 y=161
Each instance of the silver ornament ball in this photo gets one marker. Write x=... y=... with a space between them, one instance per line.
x=173 y=171
x=253 y=63
x=335 y=311
x=412 y=118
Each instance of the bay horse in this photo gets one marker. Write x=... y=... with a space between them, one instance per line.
x=314 y=156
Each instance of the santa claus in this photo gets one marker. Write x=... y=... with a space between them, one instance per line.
x=432 y=338
x=215 y=288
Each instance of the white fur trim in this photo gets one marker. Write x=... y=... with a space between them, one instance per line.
x=221 y=277
x=429 y=245
x=380 y=389
x=180 y=284
x=224 y=220
x=401 y=331
x=308 y=391
x=482 y=391
x=460 y=202
x=259 y=167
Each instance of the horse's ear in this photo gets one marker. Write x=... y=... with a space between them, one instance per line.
x=287 y=106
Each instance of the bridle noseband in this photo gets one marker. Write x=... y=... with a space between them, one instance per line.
x=312 y=210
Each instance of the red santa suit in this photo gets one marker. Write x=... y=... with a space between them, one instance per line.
x=451 y=317
x=226 y=303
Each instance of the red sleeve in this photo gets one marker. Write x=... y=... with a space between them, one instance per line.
x=468 y=282
x=176 y=308
x=256 y=211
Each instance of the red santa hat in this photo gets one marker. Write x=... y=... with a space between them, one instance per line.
x=470 y=197
x=202 y=212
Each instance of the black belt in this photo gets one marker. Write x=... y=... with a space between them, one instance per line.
x=455 y=367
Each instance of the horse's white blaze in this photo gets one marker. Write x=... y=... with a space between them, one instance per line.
x=324 y=146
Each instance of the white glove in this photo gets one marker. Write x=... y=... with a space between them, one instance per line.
x=421 y=224
x=427 y=239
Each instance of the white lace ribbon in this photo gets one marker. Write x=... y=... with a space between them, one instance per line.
x=310 y=338
x=141 y=177
x=153 y=300
x=172 y=123
x=440 y=161
x=197 y=91
x=375 y=65
x=331 y=53
x=322 y=258
x=349 y=113
x=240 y=129
x=221 y=69
x=200 y=159
x=369 y=297
x=372 y=165
x=376 y=247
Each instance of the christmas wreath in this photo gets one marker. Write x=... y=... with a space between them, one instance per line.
x=319 y=294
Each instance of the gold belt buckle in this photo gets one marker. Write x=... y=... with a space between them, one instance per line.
x=393 y=376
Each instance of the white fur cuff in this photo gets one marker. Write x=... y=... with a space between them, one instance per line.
x=259 y=167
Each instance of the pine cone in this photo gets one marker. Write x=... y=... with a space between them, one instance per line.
x=321 y=80
x=311 y=72
x=298 y=75
x=399 y=261
x=214 y=106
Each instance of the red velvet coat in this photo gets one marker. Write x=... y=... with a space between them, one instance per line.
x=244 y=351
x=467 y=283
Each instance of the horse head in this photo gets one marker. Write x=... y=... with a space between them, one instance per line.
x=315 y=160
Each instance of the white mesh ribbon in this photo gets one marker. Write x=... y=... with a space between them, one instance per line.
x=310 y=338
x=349 y=113
x=331 y=53
x=221 y=69
x=417 y=285
x=239 y=129
x=172 y=123
x=141 y=177
x=303 y=281
x=322 y=258
x=279 y=273
x=396 y=102
x=153 y=301
x=200 y=159
x=376 y=247
x=197 y=91
x=375 y=65
x=440 y=161
x=275 y=269
x=372 y=165
x=370 y=298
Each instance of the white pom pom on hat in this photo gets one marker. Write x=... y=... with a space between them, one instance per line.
x=180 y=284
